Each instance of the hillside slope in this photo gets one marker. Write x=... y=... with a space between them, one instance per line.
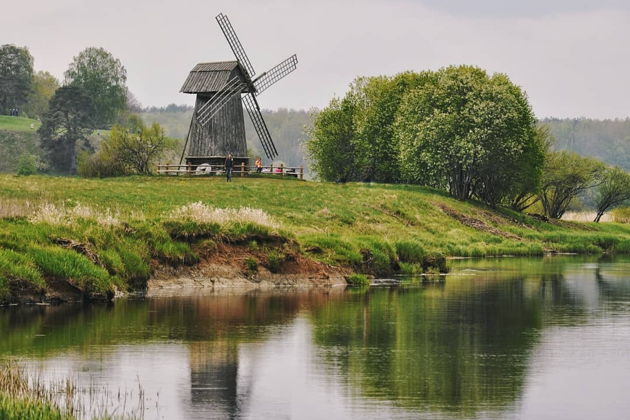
x=101 y=235
x=18 y=136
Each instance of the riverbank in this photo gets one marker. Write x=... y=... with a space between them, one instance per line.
x=73 y=238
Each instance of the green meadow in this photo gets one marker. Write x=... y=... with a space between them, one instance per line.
x=103 y=235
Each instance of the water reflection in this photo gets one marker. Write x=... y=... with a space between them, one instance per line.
x=489 y=342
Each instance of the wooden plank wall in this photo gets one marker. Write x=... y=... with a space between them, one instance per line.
x=224 y=134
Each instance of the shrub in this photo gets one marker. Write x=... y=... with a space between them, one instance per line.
x=251 y=264
x=357 y=280
x=275 y=260
x=27 y=165
x=409 y=251
x=99 y=165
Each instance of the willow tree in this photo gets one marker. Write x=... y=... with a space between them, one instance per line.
x=566 y=175
x=469 y=133
x=613 y=191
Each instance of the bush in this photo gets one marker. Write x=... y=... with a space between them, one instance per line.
x=409 y=251
x=251 y=264
x=275 y=260
x=27 y=165
x=357 y=280
x=99 y=165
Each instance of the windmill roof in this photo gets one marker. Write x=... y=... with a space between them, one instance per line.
x=210 y=77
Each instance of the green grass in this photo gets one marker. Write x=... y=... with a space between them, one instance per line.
x=8 y=123
x=377 y=229
x=358 y=280
x=29 y=409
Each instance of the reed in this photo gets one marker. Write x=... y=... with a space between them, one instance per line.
x=26 y=396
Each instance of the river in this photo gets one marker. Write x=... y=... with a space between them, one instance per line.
x=497 y=338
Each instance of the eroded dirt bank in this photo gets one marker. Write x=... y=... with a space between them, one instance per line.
x=240 y=268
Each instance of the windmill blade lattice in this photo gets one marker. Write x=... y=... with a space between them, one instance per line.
x=219 y=100
x=235 y=44
x=253 y=109
x=275 y=74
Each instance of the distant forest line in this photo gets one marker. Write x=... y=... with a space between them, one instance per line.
x=607 y=140
x=288 y=127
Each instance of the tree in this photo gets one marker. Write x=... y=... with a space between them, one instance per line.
x=102 y=77
x=377 y=101
x=565 y=176
x=66 y=126
x=613 y=191
x=527 y=184
x=131 y=149
x=331 y=147
x=16 y=73
x=43 y=88
x=364 y=132
x=468 y=133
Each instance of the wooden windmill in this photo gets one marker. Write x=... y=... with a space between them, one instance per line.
x=223 y=88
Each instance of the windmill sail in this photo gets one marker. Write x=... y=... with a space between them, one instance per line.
x=223 y=89
x=253 y=109
x=219 y=100
x=235 y=44
x=275 y=74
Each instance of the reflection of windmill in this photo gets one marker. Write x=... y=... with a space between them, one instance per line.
x=222 y=88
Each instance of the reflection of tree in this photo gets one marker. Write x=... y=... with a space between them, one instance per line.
x=459 y=352
x=612 y=283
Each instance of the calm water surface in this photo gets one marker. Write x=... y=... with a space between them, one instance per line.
x=506 y=338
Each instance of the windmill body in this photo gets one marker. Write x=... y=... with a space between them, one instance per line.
x=223 y=89
x=225 y=131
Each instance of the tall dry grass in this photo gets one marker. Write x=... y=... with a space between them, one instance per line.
x=11 y=207
x=202 y=213
x=62 y=215
x=585 y=216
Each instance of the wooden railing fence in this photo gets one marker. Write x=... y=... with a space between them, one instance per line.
x=238 y=170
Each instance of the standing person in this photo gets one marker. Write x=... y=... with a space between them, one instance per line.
x=229 y=165
x=258 y=165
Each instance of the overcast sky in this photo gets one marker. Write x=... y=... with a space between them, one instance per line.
x=571 y=56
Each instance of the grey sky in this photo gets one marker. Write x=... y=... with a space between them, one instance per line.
x=571 y=56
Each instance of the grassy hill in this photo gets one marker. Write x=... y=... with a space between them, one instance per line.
x=18 y=136
x=102 y=234
x=18 y=124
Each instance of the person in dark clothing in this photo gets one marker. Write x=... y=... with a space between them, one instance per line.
x=229 y=165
